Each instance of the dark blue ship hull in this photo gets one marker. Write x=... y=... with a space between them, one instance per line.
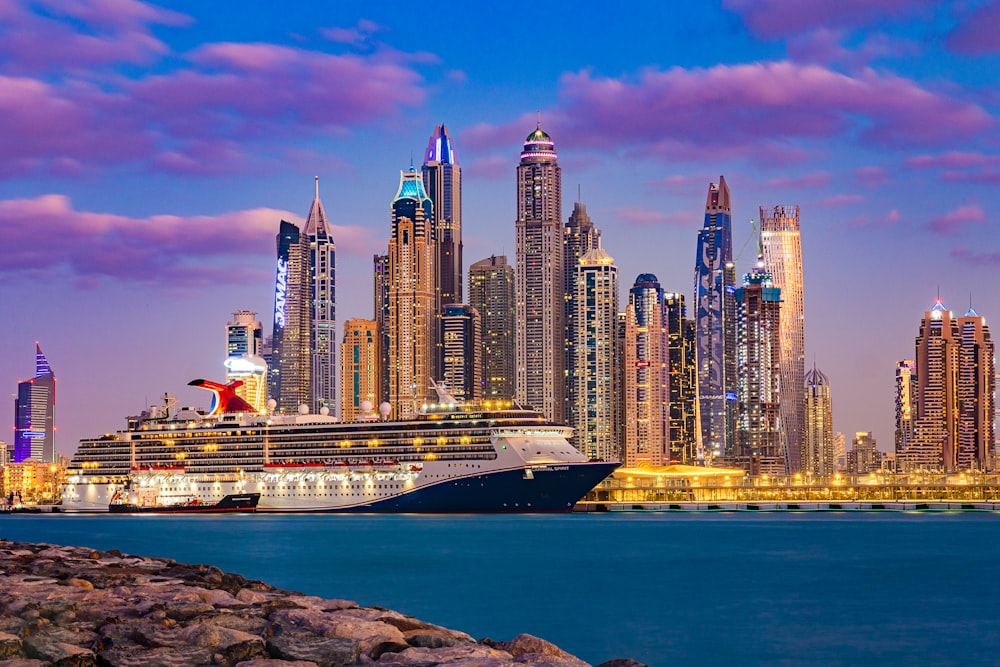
x=551 y=488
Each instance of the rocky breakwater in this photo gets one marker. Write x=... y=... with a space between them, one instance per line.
x=77 y=607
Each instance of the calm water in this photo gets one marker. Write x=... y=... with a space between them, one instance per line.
x=663 y=589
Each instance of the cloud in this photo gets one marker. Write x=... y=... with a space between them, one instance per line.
x=643 y=217
x=202 y=117
x=839 y=200
x=827 y=46
x=985 y=258
x=760 y=111
x=953 y=160
x=679 y=184
x=357 y=35
x=977 y=32
x=157 y=251
x=890 y=219
x=815 y=179
x=772 y=19
x=871 y=176
x=494 y=167
x=951 y=223
x=81 y=34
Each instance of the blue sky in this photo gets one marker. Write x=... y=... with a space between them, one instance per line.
x=150 y=151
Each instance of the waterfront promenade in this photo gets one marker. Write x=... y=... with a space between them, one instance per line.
x=685 y=488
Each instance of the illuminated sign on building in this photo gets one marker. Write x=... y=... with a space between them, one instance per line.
x=280 y=290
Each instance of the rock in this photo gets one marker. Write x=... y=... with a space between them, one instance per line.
x=324 y=651
x=529 y=645
x=622 y=662
x=264 y=662
x=82 y=583
x=451 y=655
x=60 y=654
x=24 y=662
x=10 y=646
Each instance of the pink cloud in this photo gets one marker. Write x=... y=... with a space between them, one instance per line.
x=839 y=200
x=780 y=18
x=890 y=219
x=953 y=160
x=965 y=255
x=643 y=217
x=82 y=34
x=680 y=184
x=826 y=46
x=815 y=179
x=977 y=32
x=951 y=223
x=492 y=168
x=357 y=35
x=160 y=250
x=987 y=176
x=871 y=176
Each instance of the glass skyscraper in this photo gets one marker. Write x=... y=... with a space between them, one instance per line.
x=291 y=354
x=323 y=295
x=715 y=326
x=491 y=292
x=34 y=413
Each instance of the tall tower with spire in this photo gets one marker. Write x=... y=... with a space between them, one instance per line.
x=933 y=443
x=539 y=284
x=976 y=393
x=34 y=413
x=443 y=182
x=322 y=276
x=817 y=435
x=580 y=236
x=715 y=325
x=411 y=297
x=781 y=246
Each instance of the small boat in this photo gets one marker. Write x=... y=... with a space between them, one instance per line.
x=237 y=502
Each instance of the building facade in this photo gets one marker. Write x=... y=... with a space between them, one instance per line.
x=539 y=275
x=381 y=317
x=411 y=297
x=580 y=236
x=976 y=394
x=715 y=325
x=646 y=402
x=818 y=455
x=933 y=443
x=758 y=317
x=682 y=371
x=244 y=358
x=442 y=177
x=595 y=320
x=906 y=408
x=461 y=351
x=291 y=351
x=864 y=456
x=491 y=293
x=323 y=303
x=359 y=369
x=34 y=414
x=781 y=246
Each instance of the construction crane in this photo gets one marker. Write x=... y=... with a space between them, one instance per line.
x=754 y=234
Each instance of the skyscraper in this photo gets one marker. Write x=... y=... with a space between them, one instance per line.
x=491 y=293
x=443 y=183
x=34 y=413
x=381 y=316
x=758 y=313
x=864 y=456
x=359 y=367
x=906 y=408
x=539 y=287
x=976 y=393
x=461 y=357
x=818 y=456
x=647 y=429
x=781 y=246
x=411 y=296
x=715 y=327
x=934 y=430
x=244 y=358
x=683 y=377
x=580 y=237
x=595 y=322
x=292 y=338
x=323 y=296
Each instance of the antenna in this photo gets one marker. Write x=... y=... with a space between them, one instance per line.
x=317 y=187
x=579 y=196
x=539 y=120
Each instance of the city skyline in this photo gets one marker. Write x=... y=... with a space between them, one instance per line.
x=877 y=123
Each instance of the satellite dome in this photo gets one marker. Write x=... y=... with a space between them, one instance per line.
x=385 y=409
x=303 y=409
x=271 y=404
x=324 y=411
x=366 y=406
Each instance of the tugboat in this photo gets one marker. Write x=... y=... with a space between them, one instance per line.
x=149 y=501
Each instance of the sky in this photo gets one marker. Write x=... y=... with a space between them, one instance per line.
x=149 y=151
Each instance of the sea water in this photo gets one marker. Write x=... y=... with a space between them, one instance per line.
x=664 y=589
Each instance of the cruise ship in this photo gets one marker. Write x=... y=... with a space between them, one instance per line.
x=447 y=458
